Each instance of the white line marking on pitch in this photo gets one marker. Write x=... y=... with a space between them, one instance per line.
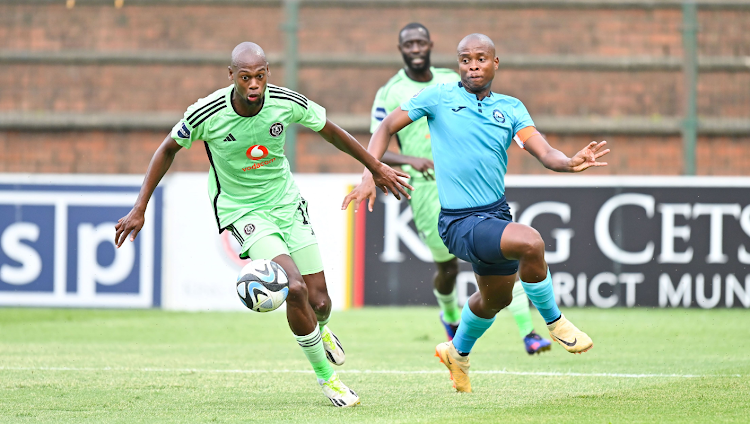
x=503 y=372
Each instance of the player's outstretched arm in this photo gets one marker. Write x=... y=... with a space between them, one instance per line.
x=556 y=160
x=384 y=176
x=160 y=163
x=392 y=124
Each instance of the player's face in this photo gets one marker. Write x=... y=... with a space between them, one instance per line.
x=250 y=82
x=476 y=65
x=415 y=48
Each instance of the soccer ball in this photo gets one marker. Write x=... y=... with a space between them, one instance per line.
x=262 y=285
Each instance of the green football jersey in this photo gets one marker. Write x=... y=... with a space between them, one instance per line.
x=249 y=170
x=413 y=140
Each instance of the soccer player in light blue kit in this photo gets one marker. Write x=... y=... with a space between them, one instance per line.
x=471 y=129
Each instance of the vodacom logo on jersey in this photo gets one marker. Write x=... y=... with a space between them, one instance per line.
x=257 y=152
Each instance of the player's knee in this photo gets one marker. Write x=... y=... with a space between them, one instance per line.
x=321 y=304
x=532 y=245
x=498 y=303
x=297 y=291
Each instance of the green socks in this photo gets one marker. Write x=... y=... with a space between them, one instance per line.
x=323 y=323
x=519 y=307
x=449 y=305
x=312 y=345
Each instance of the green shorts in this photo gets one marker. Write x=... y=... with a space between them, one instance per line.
x=284 y=230
x=425 y=207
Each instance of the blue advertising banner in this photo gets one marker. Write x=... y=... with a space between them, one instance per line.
x=57 y=244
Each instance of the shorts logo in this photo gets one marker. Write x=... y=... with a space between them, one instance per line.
x=256 y=152
x=183 y=132
x=249 y=228
x=499 y=117
x=276 y=129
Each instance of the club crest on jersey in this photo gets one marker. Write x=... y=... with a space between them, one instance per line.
x=499 y=117
x=249 y=229
x=276 y=129
x=256 y=152
x=183 y=132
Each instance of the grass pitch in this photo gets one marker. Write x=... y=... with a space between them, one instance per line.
x=154 y=366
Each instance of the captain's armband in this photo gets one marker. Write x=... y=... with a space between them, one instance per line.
x=524 y=134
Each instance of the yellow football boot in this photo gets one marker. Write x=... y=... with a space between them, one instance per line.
x=569 y=337
x=457 y=365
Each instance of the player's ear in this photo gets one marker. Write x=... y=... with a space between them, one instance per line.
x=229 y=68
x=497 y=62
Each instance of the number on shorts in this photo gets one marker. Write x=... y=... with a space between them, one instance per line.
x=303 y=210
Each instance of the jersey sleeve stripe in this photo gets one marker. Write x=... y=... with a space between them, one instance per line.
x=223 y=106
x=291 y=99
x=204 y=107
x=289 y=93
x=207 y=111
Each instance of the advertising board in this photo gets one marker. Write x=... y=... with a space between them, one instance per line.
x=611 y=241
x=57 y=243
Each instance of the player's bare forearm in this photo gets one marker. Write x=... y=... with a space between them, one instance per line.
x=392 y=124
x=397 y=159
x=131 y=224
x=345 y=142
x=556 y=160
x=548 y=156
x=159 y=165
x=423 y=165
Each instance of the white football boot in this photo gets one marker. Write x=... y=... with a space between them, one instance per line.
x=332 y=345
x=337 y=392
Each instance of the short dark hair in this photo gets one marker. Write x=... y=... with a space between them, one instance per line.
x=413 y=25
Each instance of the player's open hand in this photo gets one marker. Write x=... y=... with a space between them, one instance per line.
x=365 y=190
x=425 y=166
x=130 y=223
x=388 y=179
x=588 y=157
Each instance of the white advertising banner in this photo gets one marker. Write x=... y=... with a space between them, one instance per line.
x=201 y=266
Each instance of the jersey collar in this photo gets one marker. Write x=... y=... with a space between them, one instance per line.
x=473 y=96
x=228 y=100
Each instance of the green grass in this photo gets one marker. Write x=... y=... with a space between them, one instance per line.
x=156 y=366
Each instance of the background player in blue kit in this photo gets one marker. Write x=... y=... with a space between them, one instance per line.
x=471 y=129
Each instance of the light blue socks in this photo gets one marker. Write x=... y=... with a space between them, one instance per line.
x=471 y=328
x=542 y=296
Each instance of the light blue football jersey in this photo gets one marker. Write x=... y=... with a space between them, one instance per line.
x=470 y=141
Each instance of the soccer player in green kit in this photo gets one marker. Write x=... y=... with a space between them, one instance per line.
x=416 y=159
x=253 y=195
